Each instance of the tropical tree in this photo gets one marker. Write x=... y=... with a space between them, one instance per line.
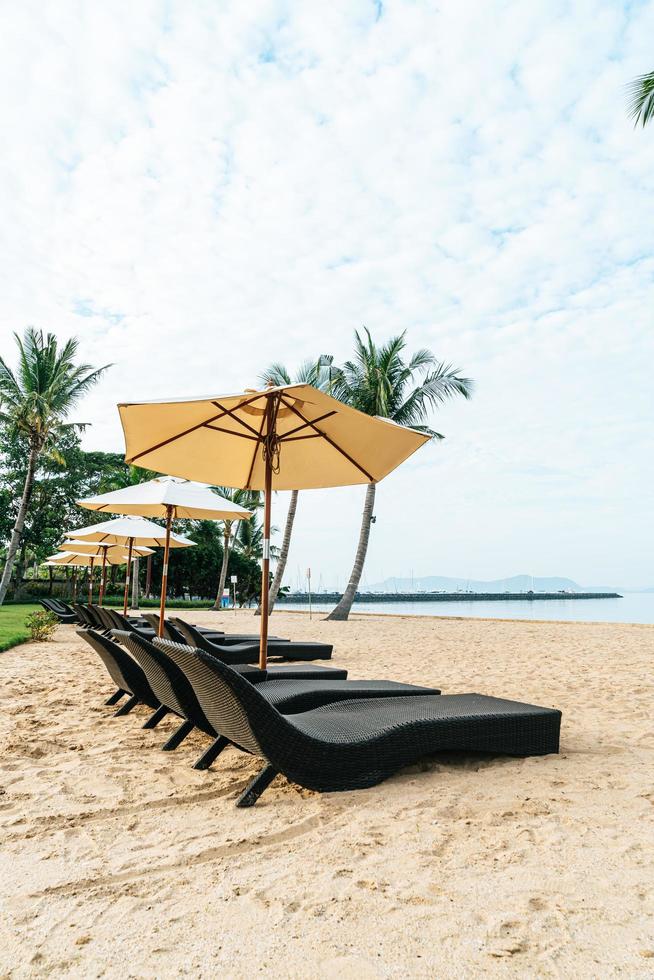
x=34 y=403
x=319 y=374
x=250 y=499
x=379 y=381
x=249 y=539
x=641 y=99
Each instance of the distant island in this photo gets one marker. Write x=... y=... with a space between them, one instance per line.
x=517 y=583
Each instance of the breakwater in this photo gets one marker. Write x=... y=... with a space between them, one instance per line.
x=327 y=598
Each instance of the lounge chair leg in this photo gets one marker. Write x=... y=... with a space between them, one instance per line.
x=154 y=719
x=178 y=737
x=212 y=753
x=253 y=790
x=115 y=697
x=127 y=707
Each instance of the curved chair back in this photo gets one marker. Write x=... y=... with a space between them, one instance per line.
x=199 y=676
x=238 y=711
x=83 y=615
x=125 y=672
x=167 y=680
x=152 y=620
x=190 y=634
x=204 y=673
x=97 y=615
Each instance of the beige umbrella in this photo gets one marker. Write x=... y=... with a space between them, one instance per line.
x=169 y=498
x=129 y=531
x=96 y=549
x=110 y=556
x=291 y=437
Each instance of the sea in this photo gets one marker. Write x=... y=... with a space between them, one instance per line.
x=633 y=607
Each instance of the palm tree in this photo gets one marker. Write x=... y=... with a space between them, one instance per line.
x=309 y=373
x=641 y=102
x=380 y=382
x=249 y=539
x=34 y=402
x=249 y=499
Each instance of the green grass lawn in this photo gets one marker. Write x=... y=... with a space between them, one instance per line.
x=12 y=624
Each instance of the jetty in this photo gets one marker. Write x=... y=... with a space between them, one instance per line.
x=332 y=597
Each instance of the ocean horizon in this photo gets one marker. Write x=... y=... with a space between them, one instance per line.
x=632 y=607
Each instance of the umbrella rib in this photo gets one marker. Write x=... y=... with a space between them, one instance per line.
x=304 y=425
x=254 y=454
x=240 y=421
x=311 y=435
x=328 y=440
x=229 y=432
x=193 y=428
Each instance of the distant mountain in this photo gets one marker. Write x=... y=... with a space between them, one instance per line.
x=517 y=583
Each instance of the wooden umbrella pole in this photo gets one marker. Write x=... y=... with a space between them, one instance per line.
x=91 y=581
x=265 y=563
x=127 y=575
x=103 y=580
x=164 y=575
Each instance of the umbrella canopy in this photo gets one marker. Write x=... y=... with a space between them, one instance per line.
x=291 y=437
x=170 y=498
x=114 y=557
x=96 y=549
x=122 y=530
x=188 y=500
x=314 y=440
x=128 y=532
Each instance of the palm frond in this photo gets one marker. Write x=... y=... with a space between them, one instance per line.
x=641 y=99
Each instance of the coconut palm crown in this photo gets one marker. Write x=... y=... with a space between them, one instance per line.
x=35 y=400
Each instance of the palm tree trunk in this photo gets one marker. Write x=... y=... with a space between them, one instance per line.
x=283 y=554
x=342 y=610
x=223 y=567
x=17 y=532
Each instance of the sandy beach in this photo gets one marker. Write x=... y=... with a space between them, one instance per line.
x=119 y=860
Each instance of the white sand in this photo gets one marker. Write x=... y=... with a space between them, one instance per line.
x=119 y=860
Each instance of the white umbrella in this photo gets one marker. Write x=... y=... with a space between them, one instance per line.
x=128 y=531
x=171 y=499
x=111 y=555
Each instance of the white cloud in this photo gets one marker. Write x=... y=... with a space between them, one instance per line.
x=196 y=189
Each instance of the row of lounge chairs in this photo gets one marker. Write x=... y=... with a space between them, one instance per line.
x=309 y=723
x=244 y=647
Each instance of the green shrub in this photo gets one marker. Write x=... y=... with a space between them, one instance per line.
x=41 y=624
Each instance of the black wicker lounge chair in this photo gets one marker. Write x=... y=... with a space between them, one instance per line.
x=176 y=694
x=84 y=615
x=170 y=632
x=290 y=694
x=296 y=672
x=248 y=652
x=222 y=639
x=357 y=744
x=215 y=636
x=126 y=674
x=120 y=622
x=61 y=610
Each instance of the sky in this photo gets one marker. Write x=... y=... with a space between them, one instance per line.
x=197 y=189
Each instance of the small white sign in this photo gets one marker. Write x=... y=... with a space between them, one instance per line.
x=233 y=579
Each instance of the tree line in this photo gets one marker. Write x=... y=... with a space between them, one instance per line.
x=44 y=470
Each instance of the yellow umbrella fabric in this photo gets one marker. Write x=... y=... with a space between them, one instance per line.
x=291 y=437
